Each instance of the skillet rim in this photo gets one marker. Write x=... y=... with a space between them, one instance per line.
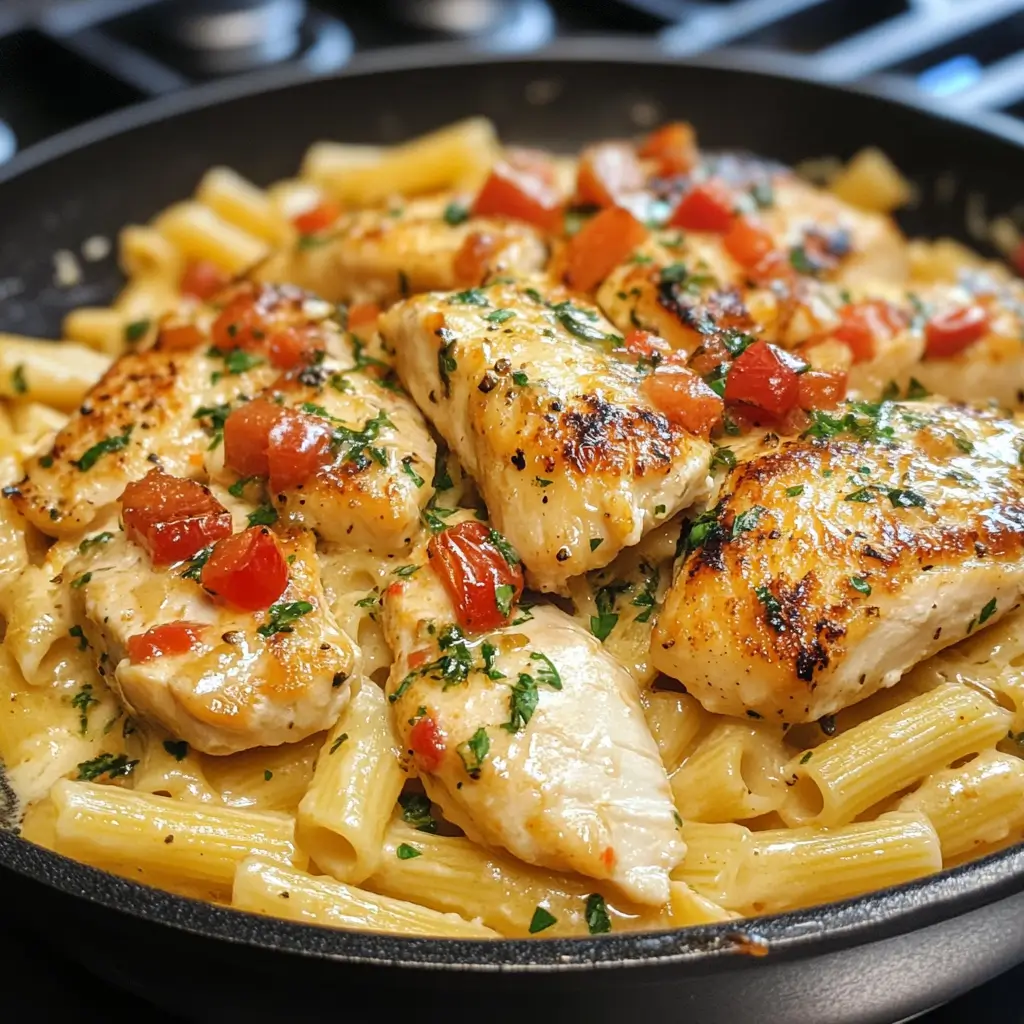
x=801 y=934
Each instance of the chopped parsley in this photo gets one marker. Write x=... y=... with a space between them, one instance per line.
x=405 y=571
x=470 y=297
x=489 y=652
x=136 y=330
x=434 y=518
x=442 y=479
x=747 y=520
x=596 y=542
x=800 y=261
x=724 y=457
x=862 y=494
x=604 y=621
x=79 y=635
x=546 y=671
x=237 y=489
x=987 y=612
x=107 y=446
x=282 y=614
x=94 y=542
x=18 y=383
x=262 y=515
x=520 y=379
x=541 y=482
x=504 y=595
x=80 y=581
x=474 y=751
x=795 y=491
x=446 y=364
x=508 y=552
x=863 y=421
x=416 y=812
x=522 y=703
x=860 y=584
x=596 y=914
x=579 y=323
x=113 y=765
x=83 y=700
x=499 y=316
x=455 y=214
x=178 y=749
x=235 y=362
x=674 y=273
x=411 y=473
x=541 y=920
x=196 y=563
x=772 y=609
x=267 y=774
x=902 y=498
x=407 y=852
x=806 y=757
x=646 y=598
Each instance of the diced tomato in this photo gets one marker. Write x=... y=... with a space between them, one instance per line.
x=289 y=347
x=172 y=638
x=763 y=377
x=674 y=146
x=472 y=568
x=427 y=743
x=607 y=172
x=684 y=398
x=247 y=437
x=247 y=570
x=471 y=261
x=418 y=658
x=821 y=389
x=321 y=216
x=951 y=332
x=362 y=314
x=298 y=446
x=707 y=207
x=710 y=354
x=600 y=246
x=643 y=343
x=864 y=324
x=172 y=518
x=203 y=279
x=747 y=242
x=508 y=192
x=178 y=337
x=239 y=325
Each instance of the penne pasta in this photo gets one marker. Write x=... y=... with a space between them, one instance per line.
x=845 y=776
x=343 y=816
x=735 y=772
x=973 y=807
x=268 y=887
x=675 y=721
x=112 y=827
x=145 y=252
x=40 y=371
x=199 y=233
x=101 y=328
x=239 y=202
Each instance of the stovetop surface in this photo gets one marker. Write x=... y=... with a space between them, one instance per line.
x=67 y=61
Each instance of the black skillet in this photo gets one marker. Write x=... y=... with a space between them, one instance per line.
x=881 y=958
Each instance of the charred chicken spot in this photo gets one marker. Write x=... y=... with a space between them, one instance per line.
x=519 y=459
x=603 y=435
x=488 y=382
x=563 y=554
x=810 y=658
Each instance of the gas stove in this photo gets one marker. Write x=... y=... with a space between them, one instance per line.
x=68 y=61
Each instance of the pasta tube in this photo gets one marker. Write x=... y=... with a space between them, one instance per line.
x=975 y=806
x=846 y=775
x=200 y=234
x=238 y=201
x=110 y=826
x=41 y=371
x=268 y=887
x=675 y=721
x=358 y=777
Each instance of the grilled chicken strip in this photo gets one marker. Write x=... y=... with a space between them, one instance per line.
x=146 y=410
x=572 y=459
x=381 y=255
x=832 y=564
x=244 y=684
x=531 y=738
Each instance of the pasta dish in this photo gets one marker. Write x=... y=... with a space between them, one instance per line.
x=464 y=540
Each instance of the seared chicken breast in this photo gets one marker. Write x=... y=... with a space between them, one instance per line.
x=249 y=679
x=380 y=255
x=834 y=562
x=572 y=459
x=530 y=737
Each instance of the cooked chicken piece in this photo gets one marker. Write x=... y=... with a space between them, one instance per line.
x=145 y=411
x=372 y=493
x=531 y=738
x=832 y=564
x=381 y=255
x=571 y=457
x=243 y=684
